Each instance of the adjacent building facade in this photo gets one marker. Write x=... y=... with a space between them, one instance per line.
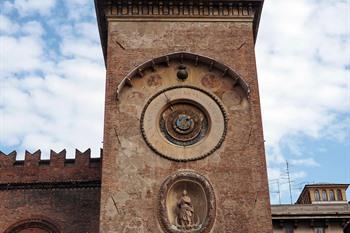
x=320 y=208
x=323 y=194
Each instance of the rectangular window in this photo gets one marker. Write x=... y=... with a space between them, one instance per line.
x=324 y=196
x=331 y=195
x=339 y=195
x=319 y=230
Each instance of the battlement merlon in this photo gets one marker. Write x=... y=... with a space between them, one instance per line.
x=147 y=10
x=58 y=168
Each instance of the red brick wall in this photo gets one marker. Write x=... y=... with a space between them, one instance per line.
x=72 y=210
x=64 y=192
x=57 y=169
x=132 y=175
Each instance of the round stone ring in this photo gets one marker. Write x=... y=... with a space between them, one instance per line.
x=183 y=123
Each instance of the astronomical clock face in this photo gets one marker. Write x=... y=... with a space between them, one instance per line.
x=183 y=123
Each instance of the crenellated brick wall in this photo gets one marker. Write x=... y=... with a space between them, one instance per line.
x=58 y=168
x=59 y=194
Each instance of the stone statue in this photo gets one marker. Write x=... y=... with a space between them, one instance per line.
x=186 y=211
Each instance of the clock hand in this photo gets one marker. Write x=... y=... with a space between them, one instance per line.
x=168 y=101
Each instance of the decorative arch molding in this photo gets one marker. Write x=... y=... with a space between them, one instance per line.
x=182 y=57
x=35 y=222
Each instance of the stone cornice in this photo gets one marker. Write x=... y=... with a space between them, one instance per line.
x=180 y=9
x=308 y=211
x=51 y=185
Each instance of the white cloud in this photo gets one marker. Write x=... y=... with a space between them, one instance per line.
x=33 y=28
x=339 y=131
x=22 y=51
x=51 y=103
x=6 y=26
x=304 y=86
x=81 y=48
x=27 y=7
x=88 y=31
x=54 y=112
x=310 y=162
x=78 y=9
x=20 y=54
x=301 y=60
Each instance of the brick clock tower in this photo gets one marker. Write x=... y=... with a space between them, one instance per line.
x=183 y=139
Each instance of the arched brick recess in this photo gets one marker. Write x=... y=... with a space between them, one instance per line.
x=29 y=226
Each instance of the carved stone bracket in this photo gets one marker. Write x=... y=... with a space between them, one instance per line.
x=202 y=196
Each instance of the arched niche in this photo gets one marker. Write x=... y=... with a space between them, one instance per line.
x=33 y=225
x=181 y=190
x=183 y=57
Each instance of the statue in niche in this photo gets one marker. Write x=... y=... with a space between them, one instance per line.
x=185 y=218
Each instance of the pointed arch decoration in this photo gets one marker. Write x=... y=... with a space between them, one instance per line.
x=181 y=57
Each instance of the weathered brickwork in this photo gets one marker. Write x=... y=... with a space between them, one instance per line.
x=56 y=195
x=71 y=209
x=56 y=169
x=133 y=173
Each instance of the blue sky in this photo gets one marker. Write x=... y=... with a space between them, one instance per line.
x=52 y=84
